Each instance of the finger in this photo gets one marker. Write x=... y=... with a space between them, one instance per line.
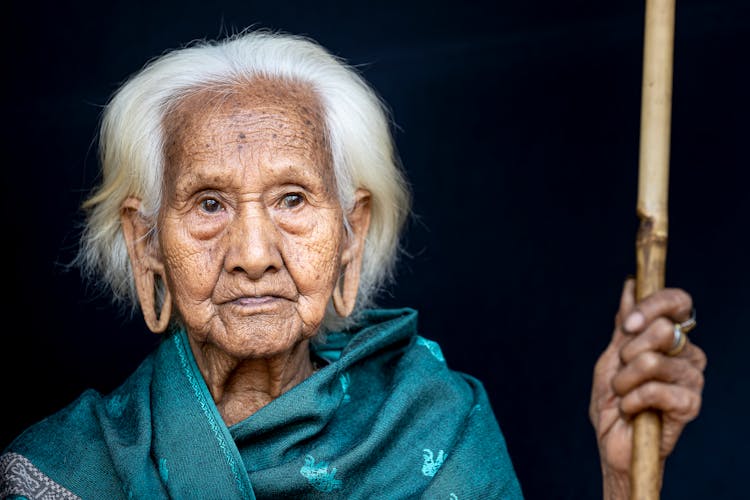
x=681 y=404
x=658 y=336
x=627 y=300
x=674 y=303
x=627 y=303
x=695 y=355
x=652 y=366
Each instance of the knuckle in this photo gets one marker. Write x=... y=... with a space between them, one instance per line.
x=663 y=332
x=647 y=362
x=694 y=405
x=681 y=402
x=699 y=380
x=616 y=385
x=685 y=404
x=649 y=393
x=687 y=299
x=631 y=403
x=699 y=358
x=681 y=296
x=621 y=383
x=678 y=299
x=624 y=353
x=664 y=325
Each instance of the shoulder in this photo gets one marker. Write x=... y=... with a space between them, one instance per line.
x=387 y=348
x=87 y=417
x=441 y=418
x=65 y=425
x=42 y=458
x=390 y=347
x=472 y=459
x=62 y=450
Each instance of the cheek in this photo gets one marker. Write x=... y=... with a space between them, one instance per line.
x=316 y=265
x=314 y=261
x=191 y=268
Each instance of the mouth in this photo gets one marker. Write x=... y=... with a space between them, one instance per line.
x=255 y=301
x=257 y=304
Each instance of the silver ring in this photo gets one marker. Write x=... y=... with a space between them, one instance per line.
x=680 y=339
x=690 y=323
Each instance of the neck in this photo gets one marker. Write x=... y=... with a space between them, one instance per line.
x=240 y=387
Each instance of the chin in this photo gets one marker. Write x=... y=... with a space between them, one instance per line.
x=260 y=336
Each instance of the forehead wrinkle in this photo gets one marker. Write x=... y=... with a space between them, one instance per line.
x=251 y=122
x=266 y=132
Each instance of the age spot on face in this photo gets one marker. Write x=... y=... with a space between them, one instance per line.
x=251 y=150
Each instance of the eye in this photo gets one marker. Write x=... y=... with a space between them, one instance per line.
x=210 y=205
x=292 y=200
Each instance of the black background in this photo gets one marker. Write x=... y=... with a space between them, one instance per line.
x=518 y=126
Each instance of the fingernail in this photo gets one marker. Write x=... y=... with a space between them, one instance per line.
x=634 y=322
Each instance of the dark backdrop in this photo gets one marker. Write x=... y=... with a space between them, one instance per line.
x=518 y=126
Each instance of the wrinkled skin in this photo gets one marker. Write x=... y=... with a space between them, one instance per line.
x=634 y=374
x=251 y=236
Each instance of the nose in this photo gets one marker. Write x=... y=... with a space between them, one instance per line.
x=253 y=246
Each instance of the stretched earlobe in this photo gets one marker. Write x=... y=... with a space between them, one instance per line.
x=148 y=270
x=347 y=287
x=345 y=291
x=157 y=318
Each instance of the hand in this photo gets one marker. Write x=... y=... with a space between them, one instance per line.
x=634 y=374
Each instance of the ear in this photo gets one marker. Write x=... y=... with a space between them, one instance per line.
x=146 y=264
x=345 y=291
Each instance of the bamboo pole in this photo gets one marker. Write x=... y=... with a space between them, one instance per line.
x=651 y=240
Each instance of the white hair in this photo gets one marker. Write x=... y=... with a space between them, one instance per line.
x=131 y=148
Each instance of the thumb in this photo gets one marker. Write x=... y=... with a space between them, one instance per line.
x=627 y=304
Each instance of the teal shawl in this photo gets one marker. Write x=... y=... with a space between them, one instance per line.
x=384 y=418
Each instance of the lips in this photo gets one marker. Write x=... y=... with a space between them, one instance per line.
x=253 y=297
x=255 y=301
x=252 y=305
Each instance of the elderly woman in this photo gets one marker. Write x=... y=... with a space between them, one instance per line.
x=251 y=205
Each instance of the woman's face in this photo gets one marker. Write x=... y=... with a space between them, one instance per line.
x=251 y=230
